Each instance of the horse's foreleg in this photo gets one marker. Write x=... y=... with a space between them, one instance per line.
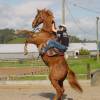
x=25 y=48
x=58 y=88
x=42 y=45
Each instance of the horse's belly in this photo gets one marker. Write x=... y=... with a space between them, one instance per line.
x=59 y=72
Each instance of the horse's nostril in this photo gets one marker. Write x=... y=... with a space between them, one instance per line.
x=32 y=24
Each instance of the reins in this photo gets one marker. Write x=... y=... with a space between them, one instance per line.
x=36 y=29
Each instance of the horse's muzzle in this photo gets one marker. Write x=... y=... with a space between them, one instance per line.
x=33 y=25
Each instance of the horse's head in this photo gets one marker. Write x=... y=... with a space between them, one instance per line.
x=42 y=15
x=38 y=19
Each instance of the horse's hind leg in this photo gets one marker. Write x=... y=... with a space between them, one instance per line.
x=58 y=88
x=61 y=85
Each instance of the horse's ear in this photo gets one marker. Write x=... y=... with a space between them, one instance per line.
x=44 y=9
x=38 y=10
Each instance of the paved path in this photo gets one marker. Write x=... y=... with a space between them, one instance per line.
x=42 y=90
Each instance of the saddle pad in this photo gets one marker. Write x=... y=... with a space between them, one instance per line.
x=54 y=52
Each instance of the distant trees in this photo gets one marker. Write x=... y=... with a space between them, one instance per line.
x=74 y=39
x=6 y=35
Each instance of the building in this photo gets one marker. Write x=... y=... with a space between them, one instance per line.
x=16 y=51
x=74 y=48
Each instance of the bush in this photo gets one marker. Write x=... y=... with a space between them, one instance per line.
x=84 y=52
x=21 y=61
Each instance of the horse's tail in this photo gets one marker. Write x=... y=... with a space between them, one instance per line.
x=73 y=81
x=23 y=32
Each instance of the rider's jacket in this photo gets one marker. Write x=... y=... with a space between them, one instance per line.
x=63 y=38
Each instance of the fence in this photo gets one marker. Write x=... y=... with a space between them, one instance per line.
x=33 y=69
x=35 y=73
x=22 y=63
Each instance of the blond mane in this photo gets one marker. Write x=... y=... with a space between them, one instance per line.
x=48 y=12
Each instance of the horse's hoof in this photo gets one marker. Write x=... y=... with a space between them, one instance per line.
x=55 y=98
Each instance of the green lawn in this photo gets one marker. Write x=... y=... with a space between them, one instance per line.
x=79 y=65
x=17 y=40
x=32 y=77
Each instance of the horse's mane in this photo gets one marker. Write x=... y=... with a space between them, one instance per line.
x=48 y=12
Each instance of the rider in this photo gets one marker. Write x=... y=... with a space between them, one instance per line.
x=62 y=41
x=63 y=37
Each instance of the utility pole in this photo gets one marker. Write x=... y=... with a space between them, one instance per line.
x=97 y=20
x=63 y=11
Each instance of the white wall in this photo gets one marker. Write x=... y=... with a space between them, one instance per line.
x=13 y=56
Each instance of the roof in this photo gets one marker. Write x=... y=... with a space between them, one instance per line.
x=15 y=48
x=78 y=46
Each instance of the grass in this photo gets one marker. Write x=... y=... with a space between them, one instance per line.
x=31 y=77
x=17 y=40
x=79 y=65
x=38 y=77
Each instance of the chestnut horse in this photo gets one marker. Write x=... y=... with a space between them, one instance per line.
x=58 y=66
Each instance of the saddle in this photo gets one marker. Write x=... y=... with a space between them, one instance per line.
x=54 y=52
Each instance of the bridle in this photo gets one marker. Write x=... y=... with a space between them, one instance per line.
x=35 y=29
x=37 y=20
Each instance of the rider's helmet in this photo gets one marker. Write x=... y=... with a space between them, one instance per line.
x=63 y=26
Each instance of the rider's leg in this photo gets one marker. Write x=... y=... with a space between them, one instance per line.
x=54 y=44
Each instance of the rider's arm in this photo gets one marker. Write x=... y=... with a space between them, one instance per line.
x=53 y=28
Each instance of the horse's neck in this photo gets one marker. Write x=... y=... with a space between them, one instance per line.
x=46 y=32
x=47 y=26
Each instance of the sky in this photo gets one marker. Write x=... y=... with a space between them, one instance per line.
x=80 y=15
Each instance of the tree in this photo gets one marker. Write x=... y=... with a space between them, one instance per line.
x=74 y=39
x=6 y=35
x=83 y=51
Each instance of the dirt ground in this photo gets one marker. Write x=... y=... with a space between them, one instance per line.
x=22 y=71
x=42 y=90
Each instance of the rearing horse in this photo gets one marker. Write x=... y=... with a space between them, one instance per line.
x=45 y=17
x=58 y=66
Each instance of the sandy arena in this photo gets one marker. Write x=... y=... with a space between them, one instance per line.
x=42 y=90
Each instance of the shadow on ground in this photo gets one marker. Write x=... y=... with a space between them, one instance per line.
x=51 y=95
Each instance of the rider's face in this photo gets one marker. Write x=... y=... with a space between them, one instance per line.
x=61 y=29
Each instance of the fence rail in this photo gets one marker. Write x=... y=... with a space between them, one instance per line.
x=33 y=77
